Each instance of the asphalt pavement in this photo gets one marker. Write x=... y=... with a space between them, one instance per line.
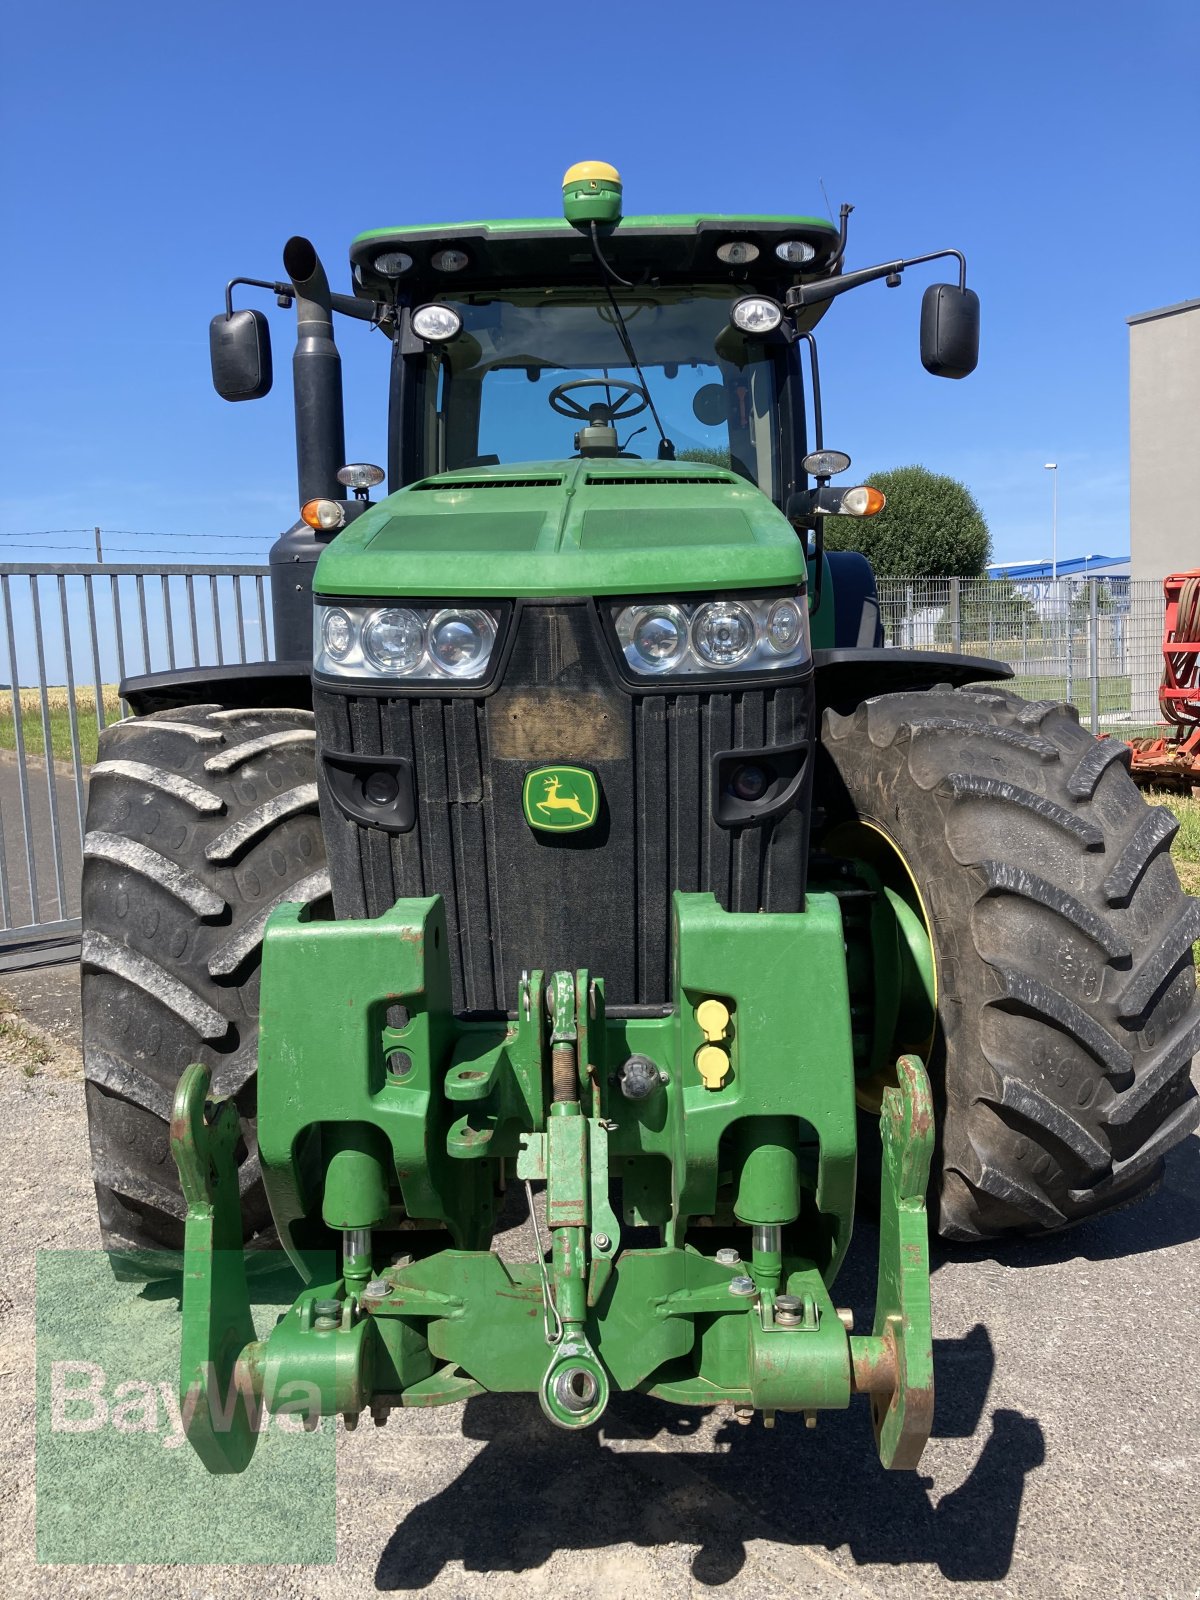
x=1065 y=1458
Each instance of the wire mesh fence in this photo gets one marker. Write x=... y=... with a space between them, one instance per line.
x=68 y=636
x=1096 y=642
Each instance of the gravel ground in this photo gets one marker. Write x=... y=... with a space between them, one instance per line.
x=1065 y=1460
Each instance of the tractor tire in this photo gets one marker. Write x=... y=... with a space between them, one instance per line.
x=199 y=823
x=1067 y=1006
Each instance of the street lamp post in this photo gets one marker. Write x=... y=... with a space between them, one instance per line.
x=1052 y=466
x=1059 y=610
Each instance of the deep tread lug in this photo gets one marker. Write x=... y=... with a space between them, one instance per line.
x=1152 y=835
x=963 y=785
x=1094 y=763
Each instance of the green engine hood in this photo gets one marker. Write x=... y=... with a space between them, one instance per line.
x=552 y=528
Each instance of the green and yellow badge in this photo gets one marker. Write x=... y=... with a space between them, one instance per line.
x=560 y=799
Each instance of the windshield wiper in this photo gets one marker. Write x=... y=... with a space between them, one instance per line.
x=666 y=450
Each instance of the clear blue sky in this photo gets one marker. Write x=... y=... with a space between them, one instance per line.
x=152 y=152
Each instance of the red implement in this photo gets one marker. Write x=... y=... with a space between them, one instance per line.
x=1174 y=758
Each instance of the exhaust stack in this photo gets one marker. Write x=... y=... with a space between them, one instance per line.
x=316 y=377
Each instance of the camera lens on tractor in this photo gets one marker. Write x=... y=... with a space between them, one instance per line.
x=750 y=782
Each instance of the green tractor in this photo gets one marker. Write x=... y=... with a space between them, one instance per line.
x=583 y=843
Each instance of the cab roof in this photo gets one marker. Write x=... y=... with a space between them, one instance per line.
x=528 y=252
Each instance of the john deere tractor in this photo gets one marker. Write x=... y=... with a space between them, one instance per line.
x=583 y=845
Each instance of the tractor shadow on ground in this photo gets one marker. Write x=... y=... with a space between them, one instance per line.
x=653 y=1476
x=1169 y=1216
x=645 y=1479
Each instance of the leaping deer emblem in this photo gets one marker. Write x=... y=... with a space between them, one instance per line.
x=560 y=802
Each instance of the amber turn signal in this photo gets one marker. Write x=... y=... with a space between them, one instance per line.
x=862 y=502
x=326 y=516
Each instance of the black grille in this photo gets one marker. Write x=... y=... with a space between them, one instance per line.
x=600 y=898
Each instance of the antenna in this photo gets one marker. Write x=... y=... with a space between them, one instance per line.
x=825 y=197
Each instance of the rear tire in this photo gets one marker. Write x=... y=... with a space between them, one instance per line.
x=1067 y=1009
x=199 y=822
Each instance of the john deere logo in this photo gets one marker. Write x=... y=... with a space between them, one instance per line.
x=560 y=799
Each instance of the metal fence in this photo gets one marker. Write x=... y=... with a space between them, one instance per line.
x=1096 y=642
x=68 y=635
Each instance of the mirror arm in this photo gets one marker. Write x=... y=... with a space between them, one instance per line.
x=811 y=294
x=374 y=311
x=283 y=292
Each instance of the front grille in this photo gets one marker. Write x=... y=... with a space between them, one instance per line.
x=601 y=898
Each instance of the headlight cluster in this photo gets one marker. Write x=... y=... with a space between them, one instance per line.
x=746 y=634
x=387 y=642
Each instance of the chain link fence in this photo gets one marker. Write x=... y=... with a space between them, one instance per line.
x=1096 y=642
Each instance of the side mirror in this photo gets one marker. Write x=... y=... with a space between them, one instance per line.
x=239 y=349
x=949 y=330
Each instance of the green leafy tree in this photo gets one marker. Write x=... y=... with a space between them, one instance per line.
x=931 y=528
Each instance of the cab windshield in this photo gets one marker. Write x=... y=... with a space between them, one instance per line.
x=489 y=396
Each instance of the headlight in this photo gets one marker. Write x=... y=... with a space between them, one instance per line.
x=796 y=252
x=436 y=323
x=742 y=634
x=658 y=637
x=723 y=633
x=756 y=314
x=460 y=642
x=411 y=642
x=393 y=641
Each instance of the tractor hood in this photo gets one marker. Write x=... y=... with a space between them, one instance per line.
x=557 y=528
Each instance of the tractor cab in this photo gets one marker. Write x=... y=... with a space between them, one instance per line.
x=660 y=339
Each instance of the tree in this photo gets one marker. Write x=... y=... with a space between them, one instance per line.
x=931 y=527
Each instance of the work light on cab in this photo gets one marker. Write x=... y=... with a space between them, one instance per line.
x=436 y=323
x=755 y=313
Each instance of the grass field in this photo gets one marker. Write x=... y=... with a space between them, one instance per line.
x=60 y=721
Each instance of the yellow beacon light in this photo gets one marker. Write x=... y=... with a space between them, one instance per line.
x=591 y=193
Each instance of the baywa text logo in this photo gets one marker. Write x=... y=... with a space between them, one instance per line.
x=114 y=1437
x=84 y=1398
x=560 y=799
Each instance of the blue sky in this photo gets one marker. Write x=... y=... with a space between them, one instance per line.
x=152 y=152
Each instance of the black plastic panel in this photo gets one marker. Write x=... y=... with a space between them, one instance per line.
x=599 y=898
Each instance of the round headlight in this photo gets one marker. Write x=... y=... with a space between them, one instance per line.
x=449 y=260
x=785 y=626
x=795 y=251
x=393 y=640
x=436 y=322
x=658 y=637
x=756 y=314
x=460 y=642
x=723 y=633
x=392 y=263
x=337 y=634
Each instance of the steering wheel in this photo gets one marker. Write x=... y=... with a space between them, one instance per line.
x=561 y=401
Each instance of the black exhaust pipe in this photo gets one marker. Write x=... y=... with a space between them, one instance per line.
x=316 y=377
x=320 y=449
